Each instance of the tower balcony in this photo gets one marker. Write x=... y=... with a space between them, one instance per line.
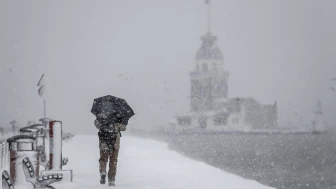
x=194 y=74
x=199 y=75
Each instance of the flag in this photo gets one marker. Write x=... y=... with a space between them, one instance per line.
x=40 y=84
x=41 y=81
x=207 y=1
x=41 y=91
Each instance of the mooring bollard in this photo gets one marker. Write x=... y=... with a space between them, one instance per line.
x=38 y=131
x=55 y=151
x=20 y=147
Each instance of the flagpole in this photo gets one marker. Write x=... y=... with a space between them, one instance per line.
x=208 y=2
x=209 y=16
x=41 y=90
x=44 y=108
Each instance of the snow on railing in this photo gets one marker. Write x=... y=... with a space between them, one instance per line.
x=37 y=143
x=6 y=181
x=4 y=156
x=42 y=181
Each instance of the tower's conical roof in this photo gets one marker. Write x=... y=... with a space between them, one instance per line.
x=209 y=49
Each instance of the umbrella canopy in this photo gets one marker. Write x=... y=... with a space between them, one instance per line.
x=112 y=108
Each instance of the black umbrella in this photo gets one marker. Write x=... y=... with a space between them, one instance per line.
x=111 y=107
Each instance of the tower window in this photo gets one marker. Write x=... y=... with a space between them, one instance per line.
x=215 y=66
x=205 y=67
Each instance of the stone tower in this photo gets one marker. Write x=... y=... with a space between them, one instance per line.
x=209 y=80
x=210 y=104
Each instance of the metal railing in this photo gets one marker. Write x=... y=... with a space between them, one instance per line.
x=4 y=156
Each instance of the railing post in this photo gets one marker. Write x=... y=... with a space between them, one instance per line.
x=3 y=152
x=55 y=152
x=55 y=138
x=7 y=155
x=46 y=123
x=2 y=155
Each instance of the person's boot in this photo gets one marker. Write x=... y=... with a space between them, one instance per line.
x=111 y=182
x=102 y=178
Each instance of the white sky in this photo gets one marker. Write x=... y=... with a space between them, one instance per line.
x=274 y=50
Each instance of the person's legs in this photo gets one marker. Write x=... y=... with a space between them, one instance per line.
x=104 y=155
x=113 y=165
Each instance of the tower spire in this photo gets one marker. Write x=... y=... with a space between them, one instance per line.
x=208 y=3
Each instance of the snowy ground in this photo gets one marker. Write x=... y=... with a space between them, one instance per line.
x=146 y=164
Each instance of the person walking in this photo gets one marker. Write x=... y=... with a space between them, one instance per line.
x=109 y=145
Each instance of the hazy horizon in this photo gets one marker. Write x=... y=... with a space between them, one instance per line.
x=143 y=51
